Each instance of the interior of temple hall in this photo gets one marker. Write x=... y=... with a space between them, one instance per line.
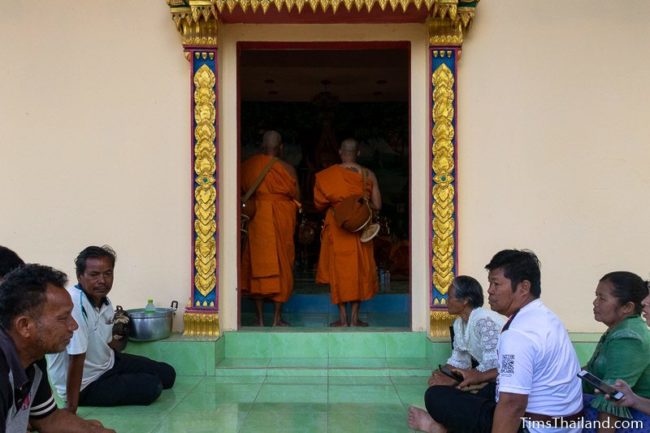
x=315 y=98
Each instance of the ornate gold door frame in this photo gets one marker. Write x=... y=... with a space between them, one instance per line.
x=197 y=22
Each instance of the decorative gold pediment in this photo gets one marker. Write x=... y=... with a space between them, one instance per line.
x=452 y=9
x=196 y=20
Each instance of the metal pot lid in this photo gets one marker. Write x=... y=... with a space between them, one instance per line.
x=140 y=313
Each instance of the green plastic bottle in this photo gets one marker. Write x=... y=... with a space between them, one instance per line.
x=150 y=308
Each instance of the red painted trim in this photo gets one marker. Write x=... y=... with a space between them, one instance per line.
x=430 y=180
x=192 y=181
x=456 y=168
x=334 y=46
x=217 y=173
x=410 y=184
x=239 y=252
x=324 y=46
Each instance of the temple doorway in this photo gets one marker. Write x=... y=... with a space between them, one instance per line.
x=316 y=95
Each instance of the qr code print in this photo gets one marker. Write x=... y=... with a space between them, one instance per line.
x=507 y=365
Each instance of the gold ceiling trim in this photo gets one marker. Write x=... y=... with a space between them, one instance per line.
x=188 y=11
x=198 y=20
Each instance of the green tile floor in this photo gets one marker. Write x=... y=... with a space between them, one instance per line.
x=286 y=382
x=272 y=404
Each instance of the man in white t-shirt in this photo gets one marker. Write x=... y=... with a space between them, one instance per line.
x=537 y=384
x=91 y=372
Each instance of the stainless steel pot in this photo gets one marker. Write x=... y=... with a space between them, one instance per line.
x=151 y=326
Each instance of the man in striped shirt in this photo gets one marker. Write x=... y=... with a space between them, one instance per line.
x=35 y=319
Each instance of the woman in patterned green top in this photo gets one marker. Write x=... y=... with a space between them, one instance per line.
x=623 y=352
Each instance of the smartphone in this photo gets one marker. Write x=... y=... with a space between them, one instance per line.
x=600 y=385
x=447 y=372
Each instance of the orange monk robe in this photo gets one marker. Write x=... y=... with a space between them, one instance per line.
x=268 y=256
x=345 y=263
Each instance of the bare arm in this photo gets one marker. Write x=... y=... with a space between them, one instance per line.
x=606 y=419
x=116 y=344
x=375 y=194
x=73 y=383
x=630 y=399
x=508 y=413
x=62 y=421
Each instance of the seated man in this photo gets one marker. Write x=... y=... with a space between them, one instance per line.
x=537 y=385
x=35 y=318
x=9 y=261
x=90 y=372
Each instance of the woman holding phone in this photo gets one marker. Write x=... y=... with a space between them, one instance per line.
x=630 y=398
x=476 y=336
x=474 y=355
x=623 y=351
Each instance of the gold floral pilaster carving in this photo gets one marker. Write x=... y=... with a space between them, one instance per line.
x=443 y=222
x=205 y=191
x=200 y=323
x=440 y=321
x=201 y=317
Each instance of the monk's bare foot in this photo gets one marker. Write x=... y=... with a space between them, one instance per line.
x=338 y=324
x=359 y=323
x=281 y=323
x=419 y=419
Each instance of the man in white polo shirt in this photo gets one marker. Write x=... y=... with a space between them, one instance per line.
x=90 y=372
x=538 y=365
x=537 y=385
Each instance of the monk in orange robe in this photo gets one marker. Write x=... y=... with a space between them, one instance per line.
x=268 y=253
x=346 y=263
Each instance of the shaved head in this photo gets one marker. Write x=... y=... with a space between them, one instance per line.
x=349 y=145
x=271 y=142
x=349 y=150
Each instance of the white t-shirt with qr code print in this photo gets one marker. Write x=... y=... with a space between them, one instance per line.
x=536 y=358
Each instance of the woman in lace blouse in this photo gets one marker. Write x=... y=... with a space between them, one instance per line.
x=474 y=354
x=476 y=336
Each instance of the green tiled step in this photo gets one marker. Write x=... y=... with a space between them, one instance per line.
x=327 y=354
x=263 y=344
x=324 y=367
x=308 y=353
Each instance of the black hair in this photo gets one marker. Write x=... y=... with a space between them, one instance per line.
x=470 y=289
x=94 y=252
x=23 y=290
x=518 y=265
x=9 y=261
x=628 y=287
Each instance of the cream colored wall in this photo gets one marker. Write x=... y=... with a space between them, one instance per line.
x=94 y=137
x=554 y=143
x=553 y=131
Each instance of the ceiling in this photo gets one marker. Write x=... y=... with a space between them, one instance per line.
x=297 y=75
